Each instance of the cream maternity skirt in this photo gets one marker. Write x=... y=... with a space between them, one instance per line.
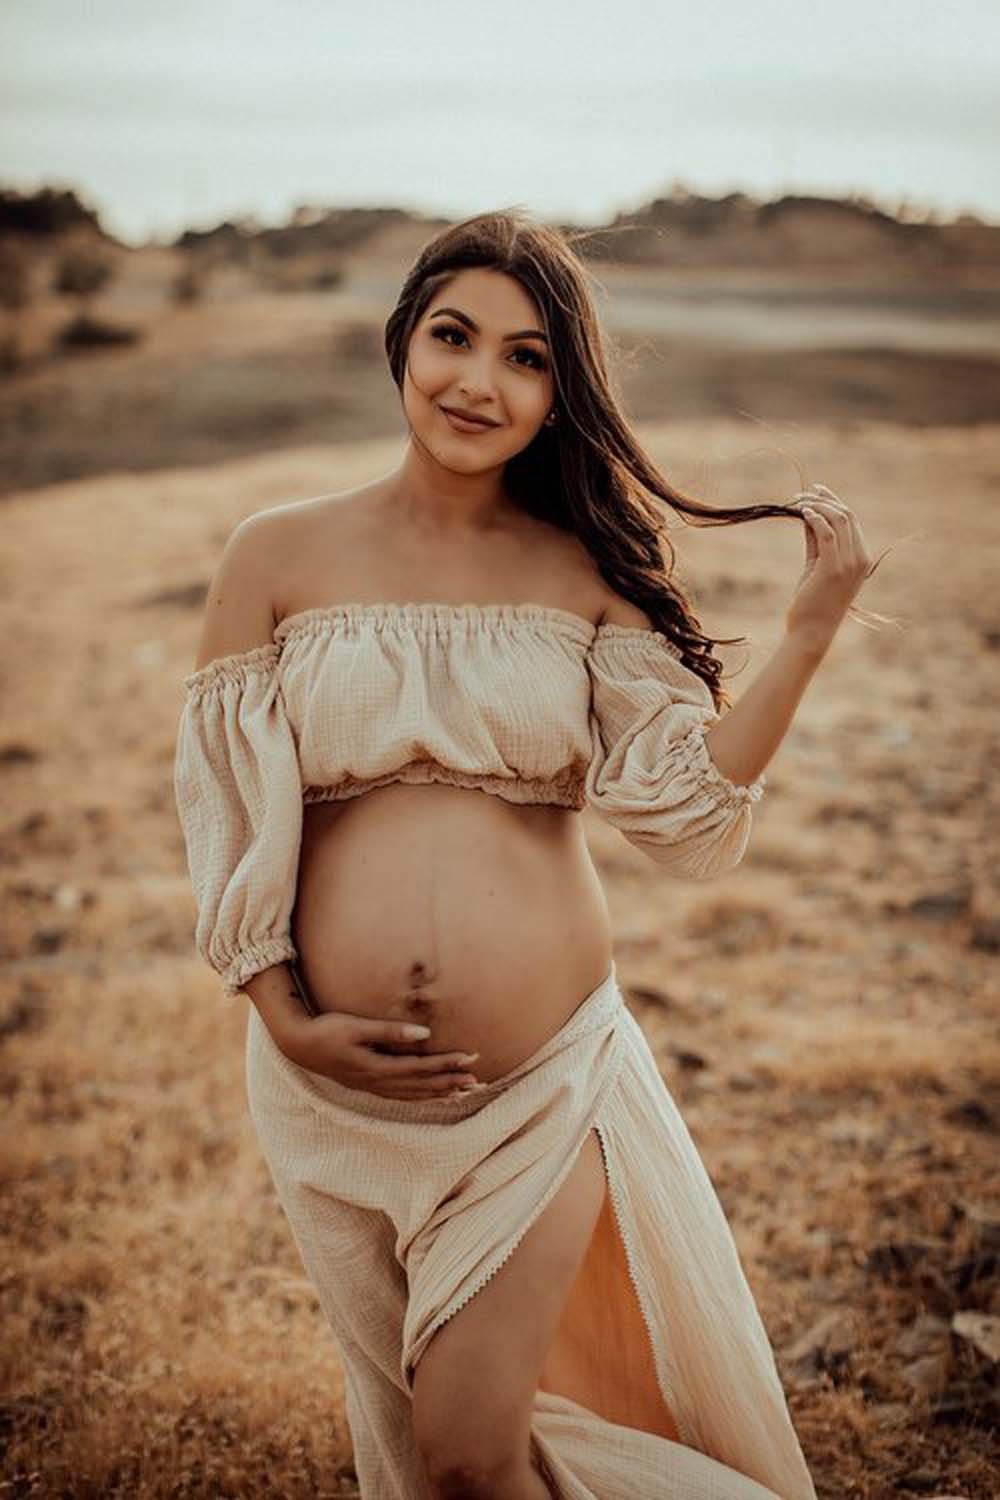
x=403 y=1209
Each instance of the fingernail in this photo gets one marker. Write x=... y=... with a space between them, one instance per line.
x=416 y=1031
x=468 y=1056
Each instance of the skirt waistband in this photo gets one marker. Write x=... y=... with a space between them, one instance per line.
x=596 y=1011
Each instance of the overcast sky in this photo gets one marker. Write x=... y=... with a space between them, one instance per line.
x=179 y=113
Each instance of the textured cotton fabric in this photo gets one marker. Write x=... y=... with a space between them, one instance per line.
x=524 y=701
x=403 y=1210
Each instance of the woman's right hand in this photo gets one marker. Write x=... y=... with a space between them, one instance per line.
x=341 y=1046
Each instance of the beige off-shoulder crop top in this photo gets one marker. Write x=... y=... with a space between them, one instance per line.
x=525 y=701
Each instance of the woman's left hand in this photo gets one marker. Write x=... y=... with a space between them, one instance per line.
x=837 y=563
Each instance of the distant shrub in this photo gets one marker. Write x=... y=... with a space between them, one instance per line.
x=297 y=273
x=81 y=271
x=15 y=280
x=329 y=276
x=190 y=282
x=85 y=331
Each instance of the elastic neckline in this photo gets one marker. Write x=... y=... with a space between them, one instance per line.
x=425 y=612
x=383 y=612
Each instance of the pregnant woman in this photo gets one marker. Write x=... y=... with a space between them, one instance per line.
x=404 y=696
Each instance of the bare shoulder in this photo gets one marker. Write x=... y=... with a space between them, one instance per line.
x=237 y=613
x=291 y=522
x=327 y=521
x=563 y=571
x=619 y=611
x=594 y=596
x=261 y=553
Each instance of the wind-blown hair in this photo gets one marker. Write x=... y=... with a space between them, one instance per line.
x=587 y=473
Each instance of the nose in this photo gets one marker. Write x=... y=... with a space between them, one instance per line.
x=477 y=378
x=474 y=393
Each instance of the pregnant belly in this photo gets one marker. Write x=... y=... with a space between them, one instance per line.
x=482 y=919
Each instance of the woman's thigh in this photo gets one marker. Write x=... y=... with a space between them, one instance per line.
x=474 y=1386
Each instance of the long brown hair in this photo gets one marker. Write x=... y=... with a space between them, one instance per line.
x=587 y=473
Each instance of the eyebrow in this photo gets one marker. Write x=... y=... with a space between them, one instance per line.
x=525 y=333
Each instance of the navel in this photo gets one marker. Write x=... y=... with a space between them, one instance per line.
x=414 y=1001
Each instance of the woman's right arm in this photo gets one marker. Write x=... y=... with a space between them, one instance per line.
x=239 y=794
x=237 y=778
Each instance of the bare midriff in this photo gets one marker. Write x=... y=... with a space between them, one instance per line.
x=480 y=918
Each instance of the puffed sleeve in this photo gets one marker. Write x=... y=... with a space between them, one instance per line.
x=651 y=774
x=238 y=789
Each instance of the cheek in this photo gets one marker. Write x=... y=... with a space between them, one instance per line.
x=428 y=365
x=529 y=401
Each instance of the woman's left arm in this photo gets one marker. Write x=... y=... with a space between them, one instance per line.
x=745 y=738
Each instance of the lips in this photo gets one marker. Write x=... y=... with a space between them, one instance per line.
x=467 y=421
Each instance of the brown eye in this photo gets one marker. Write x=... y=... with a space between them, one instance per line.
x=442 y=330
x=536 y=359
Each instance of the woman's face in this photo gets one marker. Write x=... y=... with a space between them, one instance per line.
x=461 y=354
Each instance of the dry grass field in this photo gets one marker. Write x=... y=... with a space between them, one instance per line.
x=825 y=1015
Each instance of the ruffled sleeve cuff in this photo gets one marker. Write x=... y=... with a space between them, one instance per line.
x=694 y=752
x=253 y=960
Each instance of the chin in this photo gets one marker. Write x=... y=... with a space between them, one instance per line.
x=458 y=464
